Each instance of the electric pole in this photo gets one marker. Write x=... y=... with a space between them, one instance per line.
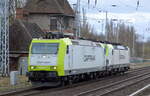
x=77 y=19
x=106 y=31
x=4 y=37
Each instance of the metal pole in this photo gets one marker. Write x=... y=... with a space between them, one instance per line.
x=118 y=32
x=143 y=46
x=102 y=26
x=106 y=23
x=79 y=24
x=133 y=45
x=77 y=21
x=4 y=37
x=143 y=43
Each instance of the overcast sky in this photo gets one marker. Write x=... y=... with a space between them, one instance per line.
x=125 y=10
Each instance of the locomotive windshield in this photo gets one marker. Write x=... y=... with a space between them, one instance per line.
x=45 y=48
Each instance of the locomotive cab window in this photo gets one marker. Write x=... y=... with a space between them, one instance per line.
x=45 y=48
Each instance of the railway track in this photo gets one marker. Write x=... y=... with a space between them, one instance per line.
x=38 y=90
x=105 y=90
x=15 y=92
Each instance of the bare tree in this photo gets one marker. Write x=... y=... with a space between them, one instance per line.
x=20 y=3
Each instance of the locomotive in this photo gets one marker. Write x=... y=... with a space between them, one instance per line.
x=52 y=62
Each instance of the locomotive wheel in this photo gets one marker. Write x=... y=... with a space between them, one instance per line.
x=63 y=83
x=70 y=82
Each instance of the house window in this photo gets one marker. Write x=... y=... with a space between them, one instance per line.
x=66 y=23
x=53 y=23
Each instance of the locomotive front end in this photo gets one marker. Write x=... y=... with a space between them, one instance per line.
x=45 y=62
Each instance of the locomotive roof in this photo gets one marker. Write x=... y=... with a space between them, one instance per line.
x=87 y=42
x=104 y=42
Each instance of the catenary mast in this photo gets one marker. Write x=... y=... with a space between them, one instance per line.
x=4 y=36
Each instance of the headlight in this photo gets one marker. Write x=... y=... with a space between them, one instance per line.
x=53 y=67
x=32 y=67
x=44 y=56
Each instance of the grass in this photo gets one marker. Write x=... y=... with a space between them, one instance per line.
x=6 y=86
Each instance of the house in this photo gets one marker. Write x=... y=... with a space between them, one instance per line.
x=35 y=20
x=50 y=15
x=21 y=34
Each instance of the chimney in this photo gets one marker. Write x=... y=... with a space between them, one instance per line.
x=21 y=14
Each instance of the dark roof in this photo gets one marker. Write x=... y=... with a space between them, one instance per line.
x=49 y=6
x=21 y=34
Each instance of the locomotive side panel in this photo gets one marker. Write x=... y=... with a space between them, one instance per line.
x=124 y=57
x=84 y=59
x=116 y=57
